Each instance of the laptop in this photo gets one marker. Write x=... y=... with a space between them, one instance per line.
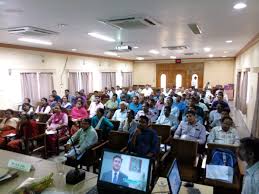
x=123 y=173
x=174 y=179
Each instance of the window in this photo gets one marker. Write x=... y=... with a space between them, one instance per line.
x=163 y=81
x=80 y=80
x=178 y=81
x=194 y=82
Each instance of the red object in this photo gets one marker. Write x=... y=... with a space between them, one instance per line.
x=178 y=60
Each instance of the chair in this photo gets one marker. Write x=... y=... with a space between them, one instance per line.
x=220 y=186
x=116 y=125
x=117 y=140
x=43 y=118
x=186 y=153
x=164 y=131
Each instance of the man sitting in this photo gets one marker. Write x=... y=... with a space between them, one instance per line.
x=168 y=119
x=224 y=134
x=220 y=99
x=146 y=112
x=215 y=116
x=120 y=114
x=134 y=105
x=191 y=130
x=94 y=106
x=100 y=122
x=85 y=137
x=144 y=140
x=129 y=124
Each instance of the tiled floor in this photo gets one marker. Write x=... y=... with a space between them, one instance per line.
x=239 y=122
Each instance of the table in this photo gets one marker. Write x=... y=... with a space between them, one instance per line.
x=43 y=168
x=184 y=190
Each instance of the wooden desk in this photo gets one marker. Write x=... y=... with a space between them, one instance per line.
x=184 y=190
x=43 y=168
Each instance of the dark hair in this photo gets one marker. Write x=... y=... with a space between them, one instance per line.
x=227 y=117
x=29 y=100
x=168 y=107
x=101 y=110
x=226 y=110
x=51 y=96
x=115 y=95
x=87 y=120
x=95 y=91
x=136 y=97
x=251 y=144
x=132 y=113
x=45 y=99
x=144 y=117
x=67 y=90
x=191 y=112
x=54 y=91
x=9 y=110
x=146 y=104
x=152 y=100
x=117 y=156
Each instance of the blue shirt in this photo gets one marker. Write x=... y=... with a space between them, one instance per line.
x=251 y=180
x=180 y=105
x=146 y=142
x=106 y=126
x=135 y=107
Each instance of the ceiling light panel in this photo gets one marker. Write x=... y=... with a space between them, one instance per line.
x=101 y=37
x=35 y=41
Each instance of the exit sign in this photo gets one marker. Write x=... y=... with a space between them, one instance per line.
x=178 y=60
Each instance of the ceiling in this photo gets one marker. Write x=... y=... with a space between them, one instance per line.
x=217 y=19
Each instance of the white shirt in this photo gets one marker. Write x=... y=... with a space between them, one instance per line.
x=93 y=108
x=147 y=92
x=46 y=111
x=118 y=92
x=119 y=115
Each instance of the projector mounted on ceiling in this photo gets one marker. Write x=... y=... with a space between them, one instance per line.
x=30 y=31
x=131 y=22
x=122 y=48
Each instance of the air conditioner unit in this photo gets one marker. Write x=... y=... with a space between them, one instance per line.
x=182 y=47
x=30 y=31
x=131 y=22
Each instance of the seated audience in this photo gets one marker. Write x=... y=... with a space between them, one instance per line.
x=84 y=138
x=180 y=104
x=110 y=106
x=220 y=100
x=65 y=104
x=26 y=129
x=153 y=109
x=249 y=152
x=174 y=110
x=79 y=112
x=56 y=97
x=7 y=126
x=111 y=92
x=224 y=134
x=129 y=124
x=83 y=95
x=193 y=108
x=100 y=122
x=70 y=98
x=191 y=130
x=146 y=112
x=135 y=105
x=160 y=103
x=92 y=98
x=25 y=101
x=215 y=116
x=27 y=109
x=131 y=92
x=120 y=114
x=43 y=107
x=118 y=91
x=52 y=102
x=94 y=106
x=58 y=121
x=144 y=141
x=147 y=91
x=168 y=119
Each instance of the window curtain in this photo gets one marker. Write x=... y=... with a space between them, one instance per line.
x=29 y=86
x=243 y=93
x=126 y=79
x=108 y=79
x=238 y=90
x=255 y=125
x=87 y=81
x=46 y=84
x=73 y=82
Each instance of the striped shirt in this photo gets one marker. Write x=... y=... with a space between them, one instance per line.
x=251 y=180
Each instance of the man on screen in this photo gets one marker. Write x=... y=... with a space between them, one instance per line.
x=115 y=175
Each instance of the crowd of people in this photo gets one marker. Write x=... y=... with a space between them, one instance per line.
x=192 y=114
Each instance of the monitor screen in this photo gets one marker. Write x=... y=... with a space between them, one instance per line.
x=174 y=179
x=125 y=170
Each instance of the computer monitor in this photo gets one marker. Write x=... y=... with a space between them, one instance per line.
x=123 y=173
x=174 y=179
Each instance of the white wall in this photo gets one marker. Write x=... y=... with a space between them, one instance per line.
x=15 y=61
x=249 y=59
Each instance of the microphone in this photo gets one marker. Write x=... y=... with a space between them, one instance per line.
x=76 y=175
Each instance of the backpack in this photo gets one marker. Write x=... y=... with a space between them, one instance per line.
x=223 y=157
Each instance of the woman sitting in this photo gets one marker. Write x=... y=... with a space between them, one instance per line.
x=7 y=126
x=27 y=109
x=25 y=101
x=43 y=107
x=65 y=104
x=26 y=129
x=79 y=112
x=58 y=121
